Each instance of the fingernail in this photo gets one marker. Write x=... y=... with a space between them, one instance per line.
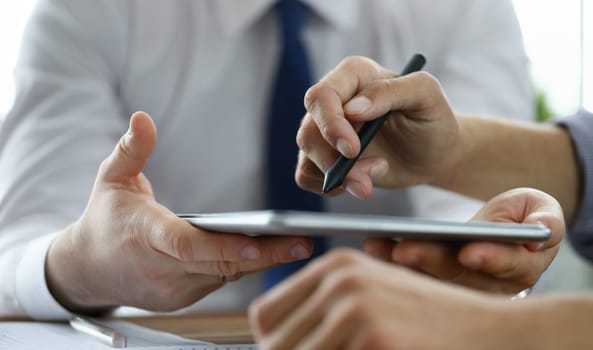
x=355 y=189
x=475 y=263
x=378 y=170
x=344 y=147
x=357 y=105
x=411 y=260
x=251 y=253
x=298 y=251
x=408 y=258
x=536 y=246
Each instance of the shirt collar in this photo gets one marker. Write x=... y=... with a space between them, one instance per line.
x=237 y=16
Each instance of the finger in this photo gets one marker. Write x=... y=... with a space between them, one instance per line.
x=436 y=259
x=308 y=176
x=268 y=311
x=132 y=151
x=295 y=326
x=550 y=215
x=337 y=326
x=337 y=288
x=324 y=101
x=176 y=237
x=412 y=93
x=351 y=318
x=274 y=251
x=314 y=158
x=508 y=262
x=326 y=111
x=530 y=206
x=314 y=146
x=556 y=227
x=342 y=301
x=379 y=248
x=359 y=181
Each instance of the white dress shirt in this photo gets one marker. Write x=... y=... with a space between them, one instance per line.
x=202 y=69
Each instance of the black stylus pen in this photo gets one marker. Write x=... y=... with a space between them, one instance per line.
x=338 y=171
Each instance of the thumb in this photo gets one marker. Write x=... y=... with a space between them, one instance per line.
x=132 y=151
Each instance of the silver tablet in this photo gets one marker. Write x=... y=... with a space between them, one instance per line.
x=302 y=223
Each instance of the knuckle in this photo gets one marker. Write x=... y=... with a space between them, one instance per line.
x=357 y=309
x=313 y=94
x=305 y=174
x=428 y=83
x=342 y=257
x=329 y=129
x=303 y=134
x=234 y=277
x=385 y=84
x=381 y=87
x=227 y=268
x=265 y=321
x=376 y=335
x=353 y=61
x=122 y=147
x=258 y=314
x=354 y=307
x=276 y=256
x=364 y=66
x=344 y=281
x=426 y=78
x=348 y=279
x=300 y=178
x=181 y=246
x=104 y=165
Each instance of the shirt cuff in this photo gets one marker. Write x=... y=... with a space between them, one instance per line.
x=31 y=287
x=580 y=126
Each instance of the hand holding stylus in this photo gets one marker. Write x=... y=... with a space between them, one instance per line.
x=416 y=130
x=338 y=171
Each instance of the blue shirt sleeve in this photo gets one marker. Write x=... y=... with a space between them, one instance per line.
x=580 y=127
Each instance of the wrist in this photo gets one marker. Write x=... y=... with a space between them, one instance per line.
x=448 y=176
x=498 y=317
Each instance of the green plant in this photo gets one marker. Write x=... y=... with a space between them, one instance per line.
x=542 y=107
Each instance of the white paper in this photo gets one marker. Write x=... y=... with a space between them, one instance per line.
x=50 y=336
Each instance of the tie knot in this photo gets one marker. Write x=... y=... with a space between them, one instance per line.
x=292 y=15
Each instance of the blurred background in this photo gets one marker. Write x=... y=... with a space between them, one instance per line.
x=558 y=36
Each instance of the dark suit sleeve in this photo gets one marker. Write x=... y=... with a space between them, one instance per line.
x=580 y=127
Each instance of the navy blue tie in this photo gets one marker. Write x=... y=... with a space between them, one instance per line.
x=293 y=77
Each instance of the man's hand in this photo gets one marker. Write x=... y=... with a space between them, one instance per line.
x=415 y=145
x=495 y=267
x=346 y=300
x=127 y=249
x=422 y=142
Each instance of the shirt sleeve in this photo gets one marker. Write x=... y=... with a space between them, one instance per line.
x=65 y=119
x=580 y=127
x=483 y=67
x=31 y=287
